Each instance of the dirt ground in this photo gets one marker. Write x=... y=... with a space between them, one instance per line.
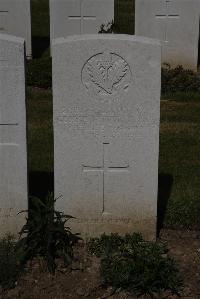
x=82 y=279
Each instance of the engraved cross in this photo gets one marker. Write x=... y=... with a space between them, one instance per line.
x=166 y=17
x=105 y=168
x=81 y=17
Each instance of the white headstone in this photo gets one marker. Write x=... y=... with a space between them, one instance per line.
x=69 y=17
x=176 y=24
x=106 y=91
x=15 y=19
x=13 y=154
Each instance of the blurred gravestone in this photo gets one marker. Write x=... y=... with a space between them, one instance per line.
x=176 y=24
x=15 y=19
x=69 y=17
x=106 y=94
x=13 y=154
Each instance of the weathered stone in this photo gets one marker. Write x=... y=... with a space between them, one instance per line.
x=69 y=17
x=13 y=154
x=15 y=19
x=106 y=91
x=176 y=24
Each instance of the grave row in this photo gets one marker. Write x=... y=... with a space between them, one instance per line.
x=174 y=22
x=106 y=96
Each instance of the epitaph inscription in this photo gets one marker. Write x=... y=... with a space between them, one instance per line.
x=105 y=74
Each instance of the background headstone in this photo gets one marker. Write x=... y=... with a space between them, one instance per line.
x=15 y=19
x=106 y=94
x=13 y=153
x=69 y=17
x=176 y=24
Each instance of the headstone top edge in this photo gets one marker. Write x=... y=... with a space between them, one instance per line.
x=12 y=38
x=122 y=37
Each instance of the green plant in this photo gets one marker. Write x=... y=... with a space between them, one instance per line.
x=107 y=28
x=179 y=80
x=135 y=265
x=46 y=234
x=108 y=244
x=9 y=262
x=125 y=16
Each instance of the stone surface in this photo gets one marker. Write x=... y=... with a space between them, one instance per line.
x=13 y=154
x=15 y=19
x=176 y=24
x=69 y=17
x=106 y=91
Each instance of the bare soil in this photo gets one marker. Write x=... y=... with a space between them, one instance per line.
x=82 y=279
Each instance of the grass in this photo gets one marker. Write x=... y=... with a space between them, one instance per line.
x=179 y=133
x=179 y=157
x=40 y=18
x=40 y=130
x=182 y=96
x=125 y=16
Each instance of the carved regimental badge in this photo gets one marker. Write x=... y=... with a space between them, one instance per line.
x=106 y=74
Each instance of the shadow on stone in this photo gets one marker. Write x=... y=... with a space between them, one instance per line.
x=165 y=182
x=40 y=45
x=40 y=184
